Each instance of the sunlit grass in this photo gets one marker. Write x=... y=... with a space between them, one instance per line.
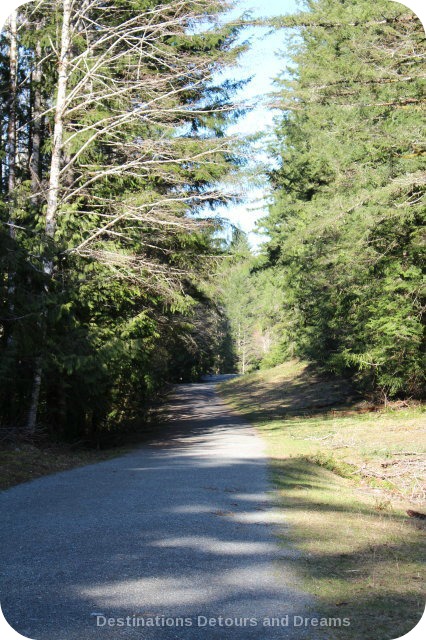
x=360 y=555
x=384 y=447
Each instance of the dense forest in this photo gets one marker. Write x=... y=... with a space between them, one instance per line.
x=340 y=279
x=114 y=143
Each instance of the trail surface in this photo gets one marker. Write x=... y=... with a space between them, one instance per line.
x=183 y=528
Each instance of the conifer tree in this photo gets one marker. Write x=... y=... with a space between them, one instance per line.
x=347 y=216
x=118 y=131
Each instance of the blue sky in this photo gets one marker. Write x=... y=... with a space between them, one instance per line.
x=264 y=65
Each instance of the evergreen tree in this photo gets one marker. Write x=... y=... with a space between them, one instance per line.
x=117 y=126
x=346 y=222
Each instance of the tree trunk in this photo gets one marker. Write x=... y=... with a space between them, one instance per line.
x=11 y=159
x=36 y=119
x=58 y=132
x=35 y=396
x=11 y=125
x=243 y=343
x=54 y=185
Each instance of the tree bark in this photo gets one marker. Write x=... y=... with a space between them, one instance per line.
x=36 y=119
x=11 y=125
x=35 y=397
x=58 y=132
x=11 y=158
x=54 y=184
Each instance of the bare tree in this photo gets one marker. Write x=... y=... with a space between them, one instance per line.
x=11 y=127
x=11 y=150
x=58 y=133
x=36 y=123
x=142 y=91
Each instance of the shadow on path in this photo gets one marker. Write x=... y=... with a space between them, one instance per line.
x=182 y=527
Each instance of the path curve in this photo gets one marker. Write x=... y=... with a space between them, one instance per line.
x=183 y=527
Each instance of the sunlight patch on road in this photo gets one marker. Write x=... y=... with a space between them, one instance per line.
x=217 y=546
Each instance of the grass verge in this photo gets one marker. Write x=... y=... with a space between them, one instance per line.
x=344 y=476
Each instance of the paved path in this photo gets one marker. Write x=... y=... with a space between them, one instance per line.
x=181 y=528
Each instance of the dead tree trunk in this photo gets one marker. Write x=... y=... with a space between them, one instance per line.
x=36 y=120
x=11 y=158
x=11 y=125
x=54 y=183
x=58 y=132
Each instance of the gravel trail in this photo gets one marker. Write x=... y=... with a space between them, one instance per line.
x=177 y=539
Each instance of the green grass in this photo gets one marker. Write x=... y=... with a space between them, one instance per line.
x=360 y=552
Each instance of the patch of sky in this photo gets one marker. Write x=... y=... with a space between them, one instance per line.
x=261 y=64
